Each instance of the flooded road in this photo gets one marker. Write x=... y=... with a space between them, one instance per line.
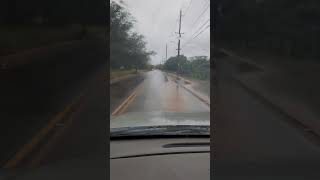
x=160 y=93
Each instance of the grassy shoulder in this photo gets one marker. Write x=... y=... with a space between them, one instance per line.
x=197 y=84
x=118 y=73
x=200 y=76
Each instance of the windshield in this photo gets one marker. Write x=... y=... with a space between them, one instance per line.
x=159 y=65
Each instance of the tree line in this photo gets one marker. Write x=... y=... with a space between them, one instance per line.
x=127 y=48
x=196 y=67
x=283 y=27
x=53 y=12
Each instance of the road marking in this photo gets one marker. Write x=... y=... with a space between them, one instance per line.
x=127 y=101
x=39 y=157
x=30 y=146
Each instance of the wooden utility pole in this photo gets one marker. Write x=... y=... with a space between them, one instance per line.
x=179 y=34
x=166 y=52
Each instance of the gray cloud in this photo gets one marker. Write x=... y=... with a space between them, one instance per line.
x=157 y=20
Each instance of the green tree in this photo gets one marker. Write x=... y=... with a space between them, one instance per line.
x=176 y=63
x=200 y=67
x=284 y=27
x=197 y=67
x=127 y=48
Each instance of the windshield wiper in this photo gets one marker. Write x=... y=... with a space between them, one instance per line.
x=159 y=131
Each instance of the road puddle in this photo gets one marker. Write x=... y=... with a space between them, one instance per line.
x=174 y=100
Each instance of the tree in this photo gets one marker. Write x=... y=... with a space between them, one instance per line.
x=197 y=67
x=58 y=12
x=127 y=48
x=176 y=63
x=200 y=67
x=284 y=27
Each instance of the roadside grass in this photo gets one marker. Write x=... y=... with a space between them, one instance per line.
x=117 y=73
x=201 y=76
x=20 y=38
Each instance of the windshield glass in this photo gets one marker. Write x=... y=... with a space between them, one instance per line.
x=159 y=65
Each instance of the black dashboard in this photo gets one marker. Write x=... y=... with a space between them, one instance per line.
x=170 y=158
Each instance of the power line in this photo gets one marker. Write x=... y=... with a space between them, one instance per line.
x=200 y=27
x=197 y=35
x=201 y=32
x=193 y=36
x=201 y=14
x=187 y=8
x=208 y=5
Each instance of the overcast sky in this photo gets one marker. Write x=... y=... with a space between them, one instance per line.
x=157 y=20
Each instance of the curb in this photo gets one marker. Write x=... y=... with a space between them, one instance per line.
x=196 y=95
x=244 y=60
x=305 y=126
x=191 y=91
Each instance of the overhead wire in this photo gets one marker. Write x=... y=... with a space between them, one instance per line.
x=196 y=35
x=186 y=11
x=207 y=7
x=201 y=32
x=200 y=27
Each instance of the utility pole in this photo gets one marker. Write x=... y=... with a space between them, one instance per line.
x=166 y=52
x=179 y=34
x=162 y=60
x=179 y=39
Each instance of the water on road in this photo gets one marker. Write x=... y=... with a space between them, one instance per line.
x=160 y=93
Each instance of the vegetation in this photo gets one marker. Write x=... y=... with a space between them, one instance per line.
x=15 y=39
x=196 y=67
x=282 y=27
x=127 y=48
x=53 y=12
x=116 y=73
x=35 y=23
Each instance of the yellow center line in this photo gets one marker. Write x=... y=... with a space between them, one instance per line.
x=121 y=108
x=39 y=157
x=30 y=146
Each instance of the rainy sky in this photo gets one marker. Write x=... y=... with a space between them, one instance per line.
x=158 y=21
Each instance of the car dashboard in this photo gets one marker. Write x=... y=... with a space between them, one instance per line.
x=160 y=158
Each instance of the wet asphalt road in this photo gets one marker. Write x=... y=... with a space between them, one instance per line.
x=252 y=138
x=77 y=148
x=160 y=93
x=50 y=88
